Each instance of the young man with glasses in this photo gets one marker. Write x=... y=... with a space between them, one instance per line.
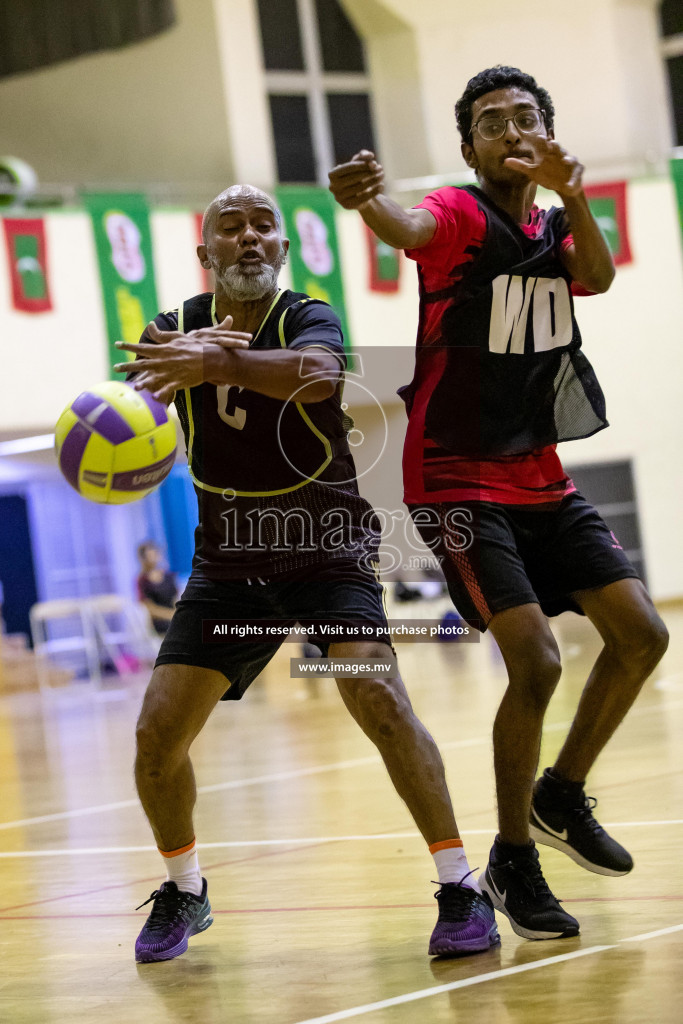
x=500 y=378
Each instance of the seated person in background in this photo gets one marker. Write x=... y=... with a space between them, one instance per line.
x=157 y=588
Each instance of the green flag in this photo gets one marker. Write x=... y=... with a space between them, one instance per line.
x=314 y=252
x=124 y=253
x=677 y=175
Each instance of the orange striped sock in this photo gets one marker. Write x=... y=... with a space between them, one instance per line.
x=446 y=844
x=170 y=854
x=182 y=867
x=451 y=863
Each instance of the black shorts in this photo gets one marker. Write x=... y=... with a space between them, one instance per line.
x=496 y=557
x=335 y=592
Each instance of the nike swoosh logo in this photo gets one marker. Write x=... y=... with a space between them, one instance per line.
x=499 y=894
x=564 y=835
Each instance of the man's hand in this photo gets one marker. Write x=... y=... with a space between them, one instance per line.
x=174 y=361
x=587 y=257
x=218 y=334
x=553 y=168
x=354 y=184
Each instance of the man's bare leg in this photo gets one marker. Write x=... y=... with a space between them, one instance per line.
x=383 y=710
x=513 y=878
x=533 y=664
x=635 y=640
x=178 y=701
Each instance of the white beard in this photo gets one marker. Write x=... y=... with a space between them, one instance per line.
x=247 y=286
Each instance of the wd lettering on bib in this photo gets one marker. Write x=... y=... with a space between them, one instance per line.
x=514 y=298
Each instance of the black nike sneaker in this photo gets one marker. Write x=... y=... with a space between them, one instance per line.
x=562 y=817
x=515 y=883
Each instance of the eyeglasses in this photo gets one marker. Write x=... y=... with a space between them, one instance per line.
x=528 y=122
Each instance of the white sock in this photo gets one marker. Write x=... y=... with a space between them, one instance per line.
x=451 y=864
x=182 y=867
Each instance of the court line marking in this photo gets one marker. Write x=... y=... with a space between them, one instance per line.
x=228 y=844
x=506 y=972
x=248 y=859
x=672 y=682
x=296 y=773
x=303 y=840
x=425 y=993
x=654 y=935
x=342 y=908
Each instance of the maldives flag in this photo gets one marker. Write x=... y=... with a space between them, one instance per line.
x=609 y=207
x=384 y=264
x=27 y=258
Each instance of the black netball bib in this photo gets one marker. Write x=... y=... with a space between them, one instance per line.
x=515 y=378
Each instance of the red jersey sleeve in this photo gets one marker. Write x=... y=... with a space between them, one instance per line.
x=459 y=222
x=577 y=289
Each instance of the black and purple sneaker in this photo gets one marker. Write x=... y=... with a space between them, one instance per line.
x=175 y=916
x=466 y=924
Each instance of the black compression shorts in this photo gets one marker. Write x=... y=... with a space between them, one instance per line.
x=496 y=557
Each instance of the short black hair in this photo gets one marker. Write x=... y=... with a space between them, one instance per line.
x=500 y=77
x=145 y=546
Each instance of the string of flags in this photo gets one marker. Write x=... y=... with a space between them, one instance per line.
x=122 y=234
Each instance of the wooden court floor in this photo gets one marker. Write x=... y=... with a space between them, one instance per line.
x=319 y=883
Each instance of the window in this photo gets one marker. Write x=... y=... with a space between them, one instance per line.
x=671 y=21
x=610 y=487
x=281 y=35
x=341 y=48
x=292 y=134
x=671 y=18
x=350 y=122
x=318 y=86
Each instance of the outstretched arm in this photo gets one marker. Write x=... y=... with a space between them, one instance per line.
x=588 y=260
x=219 y=355
x=359 y=185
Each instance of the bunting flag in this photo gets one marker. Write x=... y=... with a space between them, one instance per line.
x=27 y=259
x=608 y=206
x=314 y=251
x=124 y=253
x=384 y=263
x=206 y=276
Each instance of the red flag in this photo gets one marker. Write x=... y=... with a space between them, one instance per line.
x=27 y=257
x=384 y=264
x=608 y=205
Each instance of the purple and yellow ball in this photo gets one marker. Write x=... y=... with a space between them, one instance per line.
x=115 y=444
